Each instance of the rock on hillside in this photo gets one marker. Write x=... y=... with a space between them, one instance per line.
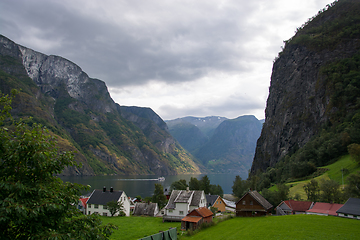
x=300 y=97
x=78 y=109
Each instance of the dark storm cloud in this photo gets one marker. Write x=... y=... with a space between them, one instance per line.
x=121 y=52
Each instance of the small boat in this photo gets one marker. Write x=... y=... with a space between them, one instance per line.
x=161 y=179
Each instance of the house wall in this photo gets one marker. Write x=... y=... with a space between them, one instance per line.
x=248 y=207
x=103 y=211
x=181 y=209
x=220 y=205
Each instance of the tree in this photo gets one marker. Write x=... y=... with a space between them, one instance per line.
x=34 y=203
x=159 y=196
x=114 y=207
x=205 y=184
x=312 y=190
x=179 y=185
x=239 y=187
x=330 y=191
x=353 y=188
x=354 y=151
x=216 y=190
x=194 y=184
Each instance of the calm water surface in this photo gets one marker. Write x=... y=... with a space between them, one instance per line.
x=145 y=185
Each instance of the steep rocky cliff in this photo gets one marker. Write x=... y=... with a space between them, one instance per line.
x=303 y=96
x=108 y=139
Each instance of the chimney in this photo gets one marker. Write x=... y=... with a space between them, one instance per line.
x=111 y=189
x=187 y=189
x=104 y=189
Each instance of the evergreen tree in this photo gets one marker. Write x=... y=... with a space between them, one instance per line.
x=194 y=184
x=159 y=196
x=205 y=184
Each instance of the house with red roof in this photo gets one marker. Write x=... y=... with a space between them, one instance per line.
x=290 y=207
x=196 y=217
x=82 y=205
x=324 y=209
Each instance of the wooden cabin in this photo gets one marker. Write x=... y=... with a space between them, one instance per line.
x=252 y=204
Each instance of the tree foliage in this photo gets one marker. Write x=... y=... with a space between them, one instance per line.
x=34 y=203
x=179 y=185
x=115 y=207
x=159 y=196
x=239 y=187
x=353 y=187
x=312 y=190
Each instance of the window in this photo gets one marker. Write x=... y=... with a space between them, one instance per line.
x=181 y=212
x=244 y=202
x=89 y=205
x=89 y=212
x=96 y=206
x=104 y=207
x=105 y=214
x=251 y=202
x=170 y=210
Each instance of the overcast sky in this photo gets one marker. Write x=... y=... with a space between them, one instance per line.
x=180 y=58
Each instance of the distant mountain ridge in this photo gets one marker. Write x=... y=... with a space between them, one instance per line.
x=229 y=145
x=78 y=110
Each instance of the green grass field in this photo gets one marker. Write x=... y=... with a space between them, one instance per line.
x=137 y=227
x=282 y=227
x=334 y=173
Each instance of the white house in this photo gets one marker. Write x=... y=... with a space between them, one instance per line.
x=181 y=202
x=99 y=198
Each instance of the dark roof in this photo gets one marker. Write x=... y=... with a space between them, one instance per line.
x=196 y=198
x=183 y=196
x=145 y=209
x=258 y=198
x=102 y=198
x=352 y=206
x=210 y=199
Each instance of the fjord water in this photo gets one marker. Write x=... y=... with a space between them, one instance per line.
x=145 y=185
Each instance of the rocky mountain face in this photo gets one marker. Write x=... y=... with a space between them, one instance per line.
x=222 y=145
x=108 y=138
x=309 y=92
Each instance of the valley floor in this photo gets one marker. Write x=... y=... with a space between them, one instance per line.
x=272 y=227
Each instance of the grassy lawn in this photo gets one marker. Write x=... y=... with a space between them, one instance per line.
x=135 y=227
x=282 y=227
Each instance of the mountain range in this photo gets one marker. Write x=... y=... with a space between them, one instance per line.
x=105 y=137
x=221 y=144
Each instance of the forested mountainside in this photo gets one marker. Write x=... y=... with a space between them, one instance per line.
x=222 y=145
x=107 y=138
x=313 y=107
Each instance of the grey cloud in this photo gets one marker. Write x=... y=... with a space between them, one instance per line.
x=128 y=54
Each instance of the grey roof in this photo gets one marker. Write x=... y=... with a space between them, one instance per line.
x=352 y=206
x=102 y=198
x=260 y=199
x=196 y=198
x=210 y=199
x=145 y=209
x=183 y=196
